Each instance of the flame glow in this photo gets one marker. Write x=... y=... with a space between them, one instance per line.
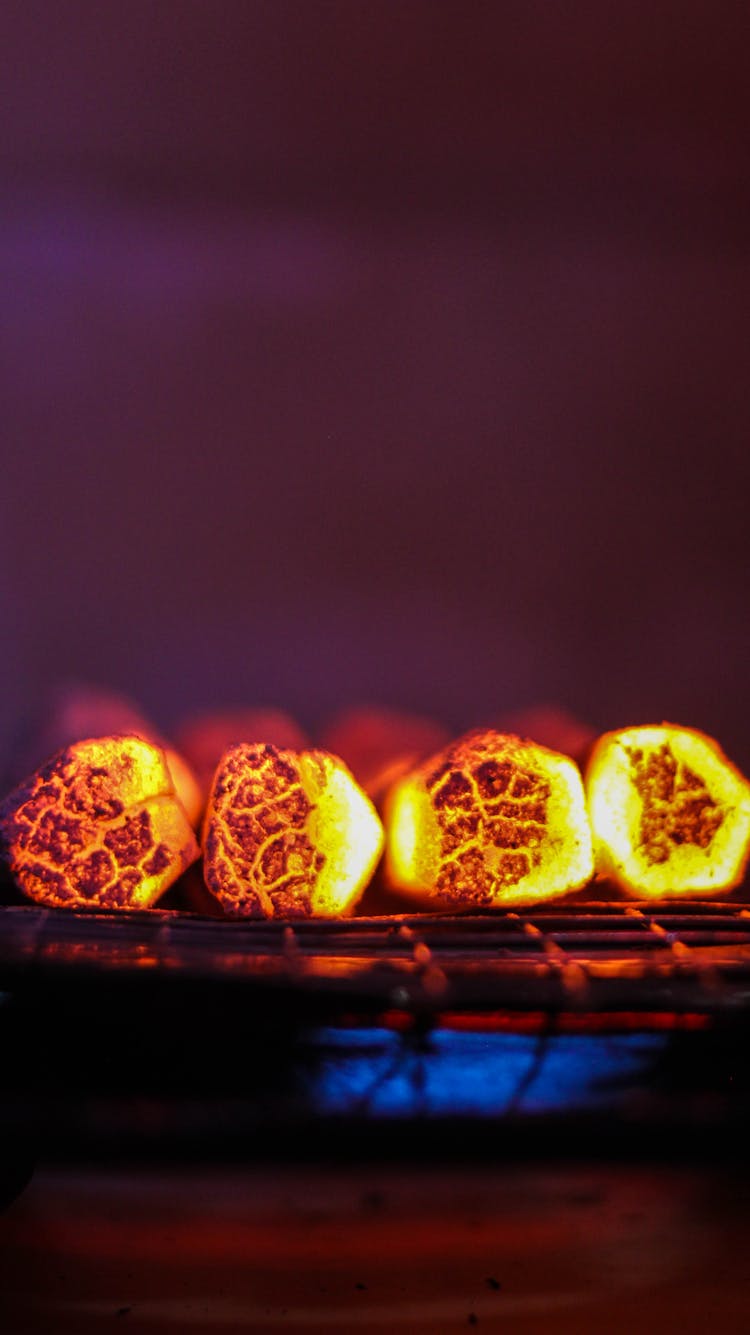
x=380 y=745
x=288 y=834
x=491 y=820
x=670 y=814
x=98 y=826
x=203 y=738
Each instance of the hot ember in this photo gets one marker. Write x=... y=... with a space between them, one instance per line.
x=491 y=820
x=288 y=834
x=98 y=826
x=670 y=814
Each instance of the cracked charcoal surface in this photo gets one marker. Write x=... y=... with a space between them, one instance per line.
x=260 y=860
x=492 y=814
x=677 y=807
x=70 y=841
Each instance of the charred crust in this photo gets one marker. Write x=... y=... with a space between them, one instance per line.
x=492 y=778
x=59 y=842
x=512 y=834
x=49 y=886
x=294 y=808
x=284 y=771
x=513 y=867
x=491 y=809
x=459 y=829
x=56 y=837
x=676 y=805
x=259 y=857
x=456 y=790
x=159 y=860
x=93 y=873
x=131 y=841
x=89 y=797
x=465 y=878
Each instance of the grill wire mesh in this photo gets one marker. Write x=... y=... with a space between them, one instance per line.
x=593 y=957
x=590 y=1025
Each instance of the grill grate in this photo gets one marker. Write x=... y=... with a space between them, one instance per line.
x=594 y=957
x=607 y=1025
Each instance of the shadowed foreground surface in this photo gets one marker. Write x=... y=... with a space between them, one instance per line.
x=429 y=1250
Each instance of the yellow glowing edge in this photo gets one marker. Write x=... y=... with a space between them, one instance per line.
x=615 y=807
x=412 y=838
x=346 y=828
x=137 y=767
x=171 y=827
x=567 y=831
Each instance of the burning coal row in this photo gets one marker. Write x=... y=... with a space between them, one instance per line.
x=494 y=820
x=491 y=820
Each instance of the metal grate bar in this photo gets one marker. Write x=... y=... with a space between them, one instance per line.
x=604 y=957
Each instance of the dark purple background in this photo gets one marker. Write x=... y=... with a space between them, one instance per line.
x=395 y=351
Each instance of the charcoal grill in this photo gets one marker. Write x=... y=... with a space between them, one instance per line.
x=576 y=1026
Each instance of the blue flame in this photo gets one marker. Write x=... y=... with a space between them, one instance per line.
x=386 y=1074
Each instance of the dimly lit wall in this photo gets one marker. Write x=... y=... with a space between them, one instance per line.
x=388 y=350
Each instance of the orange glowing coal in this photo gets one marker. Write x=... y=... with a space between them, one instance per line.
x=669 y=812
x=288 y=834
x=97 y=826
x=491 y=820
